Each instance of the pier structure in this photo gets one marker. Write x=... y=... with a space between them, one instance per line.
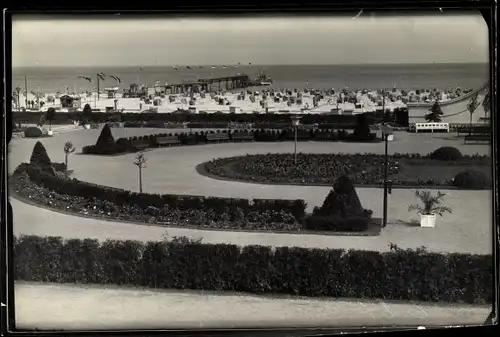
x=207 y=85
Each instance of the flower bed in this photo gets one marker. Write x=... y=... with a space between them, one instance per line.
x=324 y=169
x=186 y=211
x=180 y=264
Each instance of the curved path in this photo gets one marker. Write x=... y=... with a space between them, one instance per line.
x=172 y=170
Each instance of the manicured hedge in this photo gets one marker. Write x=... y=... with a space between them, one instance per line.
x=446 y=153
x=186 y=116
x=395 y=275
x=77 y=188
x=123 y=145
x=471 y=179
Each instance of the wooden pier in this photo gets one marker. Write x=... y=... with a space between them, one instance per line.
x=207 y=85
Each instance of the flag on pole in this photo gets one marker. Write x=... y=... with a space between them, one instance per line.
x=86 y=78
x=116 y=78
x=101 y=76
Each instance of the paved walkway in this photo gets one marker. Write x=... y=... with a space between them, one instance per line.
x=70 y=307
x=172 y=170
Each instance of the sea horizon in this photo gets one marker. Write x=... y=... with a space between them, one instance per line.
x=256 y=65
x=355 y=76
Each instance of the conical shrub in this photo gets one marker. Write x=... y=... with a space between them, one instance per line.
x=40 y=159
x=105 y=138
x=362 y=128
x=39 y=156
x=342 y=200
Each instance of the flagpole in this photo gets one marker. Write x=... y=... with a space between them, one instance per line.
x=26 y=87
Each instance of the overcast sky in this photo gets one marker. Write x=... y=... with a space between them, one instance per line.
x=269 y=41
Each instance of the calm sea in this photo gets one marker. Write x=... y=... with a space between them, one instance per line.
x=409 y=77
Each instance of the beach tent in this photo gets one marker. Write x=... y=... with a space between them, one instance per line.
x=70 y=101
x=33 y=132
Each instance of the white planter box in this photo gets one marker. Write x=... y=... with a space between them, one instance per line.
x=390 y=138
x=87 y=126
x=428 y=220
x=50 y=133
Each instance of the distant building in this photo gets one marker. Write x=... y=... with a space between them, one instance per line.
x=112 y=92
x=70 y=101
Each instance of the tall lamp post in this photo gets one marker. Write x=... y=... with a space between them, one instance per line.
x=386 y=132
x=295 y=123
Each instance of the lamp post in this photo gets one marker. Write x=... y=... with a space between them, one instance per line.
x=386 y=132
x=295 y=122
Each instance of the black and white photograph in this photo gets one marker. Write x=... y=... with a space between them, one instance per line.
x=256 y=171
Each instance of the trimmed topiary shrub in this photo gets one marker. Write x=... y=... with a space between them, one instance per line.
x=106 y=138
x=341 y=210
x=342 y=200
x=33 y=132
x=446 y=153
x=39 y=156
x=474 y=180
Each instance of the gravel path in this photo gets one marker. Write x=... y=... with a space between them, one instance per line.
x=70 y=307
x=172 y=170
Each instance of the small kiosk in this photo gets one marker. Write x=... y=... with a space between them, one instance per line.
x=111 y=92
x=70 y=101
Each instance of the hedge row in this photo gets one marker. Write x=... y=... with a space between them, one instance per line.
x=186 y=116
x=181 y=264
x=77 y=188
x=123 y=145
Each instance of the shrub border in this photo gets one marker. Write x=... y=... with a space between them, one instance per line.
x=178 y=264
x=201 y=170
x=31 y=202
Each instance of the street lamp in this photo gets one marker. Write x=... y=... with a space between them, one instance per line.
x=386 y=132
x=295 y=122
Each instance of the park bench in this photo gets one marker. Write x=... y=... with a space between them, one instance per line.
x=242 y=136
x=475 y=130
x=139 y=145
x=217 y=137
x=432 y=127
x=477 y=138
x=167 y=140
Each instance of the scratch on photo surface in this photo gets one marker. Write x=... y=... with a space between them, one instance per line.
x=359 y=13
